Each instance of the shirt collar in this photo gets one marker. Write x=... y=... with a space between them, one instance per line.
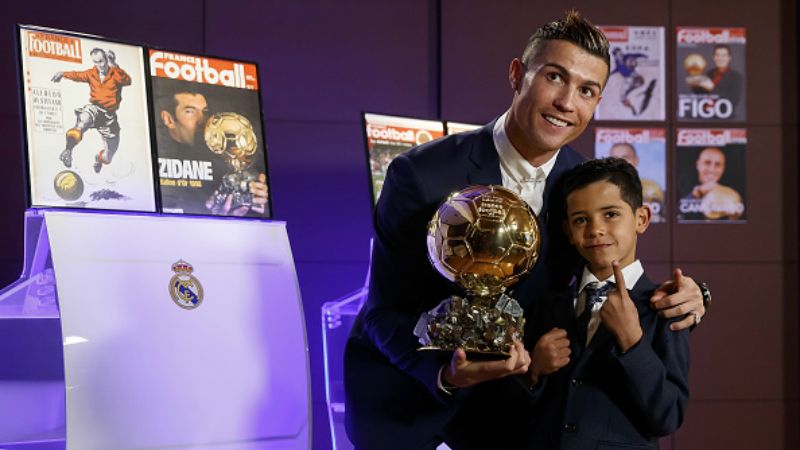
x=512 y=161
x=632 y=272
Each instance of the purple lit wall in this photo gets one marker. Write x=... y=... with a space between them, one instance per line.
x=322 y=63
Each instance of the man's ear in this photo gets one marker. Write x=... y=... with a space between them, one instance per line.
x=643 y=216
x=168 y=120
x=515 y=72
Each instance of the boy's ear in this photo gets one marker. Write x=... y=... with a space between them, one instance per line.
x=643 y=216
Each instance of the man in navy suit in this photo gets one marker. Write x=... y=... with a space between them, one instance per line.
x=607 y=371
x=399 y=398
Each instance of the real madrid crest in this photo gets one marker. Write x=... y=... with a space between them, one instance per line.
x=185 y=290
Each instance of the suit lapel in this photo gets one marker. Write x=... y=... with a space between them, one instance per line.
x=566 y=159
x=484 y=155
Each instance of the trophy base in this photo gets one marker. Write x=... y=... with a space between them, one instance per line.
x=472 y=355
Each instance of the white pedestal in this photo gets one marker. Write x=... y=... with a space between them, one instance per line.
x=141 y=371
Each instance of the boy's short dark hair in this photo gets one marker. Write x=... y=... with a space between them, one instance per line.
x=616 y=171
x=573 y=28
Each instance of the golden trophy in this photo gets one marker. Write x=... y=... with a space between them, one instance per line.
x=231 y=136
x=483 y=238
x=695 y=66
x=722 y=202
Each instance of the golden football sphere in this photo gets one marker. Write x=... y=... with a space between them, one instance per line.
x=232 y=135
x=722 y=202
x=484 y=238
x=651 y=191
x=423 y=136
x=694 y=64
x=68 y=185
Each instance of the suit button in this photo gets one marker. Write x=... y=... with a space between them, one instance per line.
x=570 y=427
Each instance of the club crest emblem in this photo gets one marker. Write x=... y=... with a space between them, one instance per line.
x=184 y=288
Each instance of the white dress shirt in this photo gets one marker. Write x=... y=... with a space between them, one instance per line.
x=518 y=173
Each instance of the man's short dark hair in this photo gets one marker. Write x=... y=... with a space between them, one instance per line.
x=616 y=171
x=573 y=28
x=175 y=94
x=723 y=47
x=98 y=50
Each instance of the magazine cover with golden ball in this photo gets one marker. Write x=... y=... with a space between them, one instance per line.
x=711 y=175
x=646 y=150
x=209 y=136
x=711 y=76
x=86 y=123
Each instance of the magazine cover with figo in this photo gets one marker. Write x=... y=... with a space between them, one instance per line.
x=86 y=122
x=209 y=136
x=711 y=74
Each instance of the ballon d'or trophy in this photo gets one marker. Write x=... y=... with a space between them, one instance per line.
x=695 y=66
x=484 y=238
x=231 y=135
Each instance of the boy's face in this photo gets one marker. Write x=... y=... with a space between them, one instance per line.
x=603 y=227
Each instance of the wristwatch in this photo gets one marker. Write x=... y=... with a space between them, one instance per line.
x=705 y=292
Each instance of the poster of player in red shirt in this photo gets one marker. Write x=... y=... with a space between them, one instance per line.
x=86 y=122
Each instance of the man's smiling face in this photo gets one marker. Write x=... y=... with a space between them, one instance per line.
x=555 y=96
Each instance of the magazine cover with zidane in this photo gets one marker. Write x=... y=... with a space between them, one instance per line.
x=209 y=136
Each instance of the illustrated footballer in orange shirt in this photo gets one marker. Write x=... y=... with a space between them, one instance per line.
x=105 y=80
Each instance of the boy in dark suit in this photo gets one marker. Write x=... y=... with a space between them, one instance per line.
x=606 y=370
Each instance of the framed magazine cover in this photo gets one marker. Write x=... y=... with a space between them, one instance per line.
x=85 y=121
x=711 y=165
x=646 y=150
x=636 y=84
x=209 y=137
x=710 y=70
x=388 y=136
x=451 y=127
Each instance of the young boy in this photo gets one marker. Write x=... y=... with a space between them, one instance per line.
x=607 y=372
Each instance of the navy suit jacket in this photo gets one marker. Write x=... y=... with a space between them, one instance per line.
x=605 y=399
x=391 y=390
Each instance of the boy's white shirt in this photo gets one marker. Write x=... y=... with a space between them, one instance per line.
x=631 y=273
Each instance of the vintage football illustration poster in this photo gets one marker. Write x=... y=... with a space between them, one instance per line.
x=86 y=122
x=635 y=88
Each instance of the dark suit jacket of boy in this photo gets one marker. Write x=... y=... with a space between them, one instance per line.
x=604 y=399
